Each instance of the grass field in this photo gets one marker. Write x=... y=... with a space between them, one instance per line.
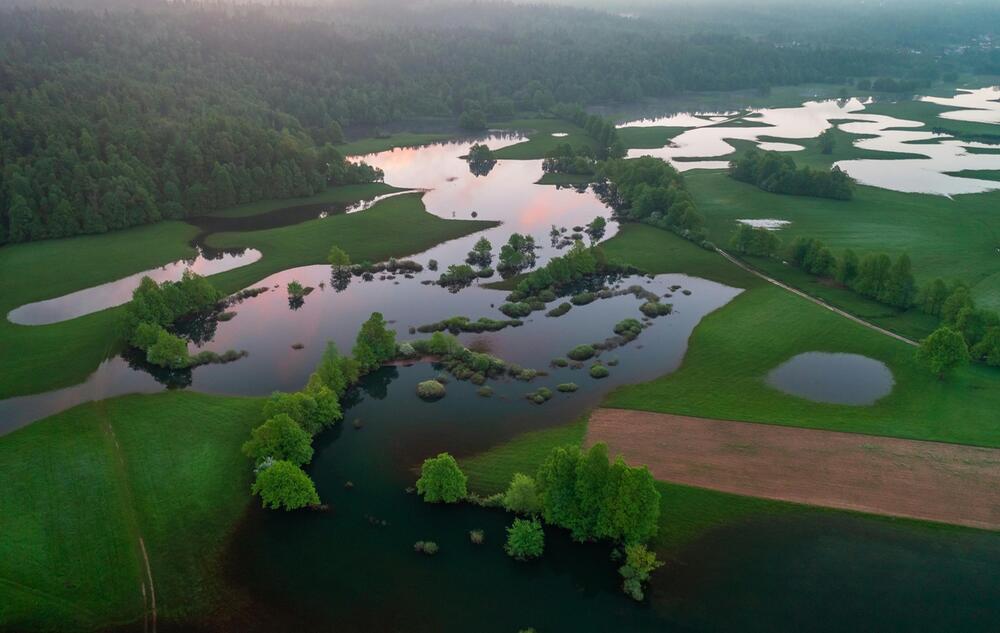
x=540 y=139
x=732 y=350
x=928 y=113
x=648 y=137
x=953 y=238
x=40 y=358
x=82 y=486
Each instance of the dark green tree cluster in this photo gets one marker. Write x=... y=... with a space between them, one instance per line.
x=776 y=172
x=116 y=118
x=979 y=328
x=756 y=241
x=481 y=159
x=564 y=159
x=441 y=480
x=875 y=275
x=149 y=318
x=602 y=130
x=517 y=254
x=578 y=263
x=650 y=190
x=595 y=498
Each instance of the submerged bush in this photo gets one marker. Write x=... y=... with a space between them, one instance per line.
x=559 y=310
x=477 y=537
x=540 y=395
x=567 y=387
x=581 y=352
x=653 y=309
x=583 y=298
x=426 y=547
x=525 y=539
x=628 y=328
x=559 y=362
x=430 y=390
x=485 y=392
x=515 y=310
x=599 y=371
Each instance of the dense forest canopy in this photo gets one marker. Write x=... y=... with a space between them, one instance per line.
x=122 y=116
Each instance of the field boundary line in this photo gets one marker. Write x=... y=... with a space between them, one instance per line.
x=805 y=295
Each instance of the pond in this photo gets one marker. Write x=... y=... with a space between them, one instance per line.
x=935 y=156
x=835 y=378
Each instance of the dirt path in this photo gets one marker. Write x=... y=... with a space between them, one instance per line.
x=909 y=478
x=819 y=302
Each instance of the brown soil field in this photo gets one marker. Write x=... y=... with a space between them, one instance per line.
x=934 y=481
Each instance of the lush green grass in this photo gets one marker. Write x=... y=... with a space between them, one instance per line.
x=40 y=358
x=911 y=323
x=564 y=179
x=540 y=140
x=345 y=194
x=648 y=137
x=952 y=238
x=732 y=350
x=980 y=174
x=657 y=251
x=82 y=486
x=364 y=146
x=395 y=227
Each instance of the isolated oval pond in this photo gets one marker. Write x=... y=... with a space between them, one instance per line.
x=834 y=378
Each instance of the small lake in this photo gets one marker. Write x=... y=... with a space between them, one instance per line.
x=834 y=378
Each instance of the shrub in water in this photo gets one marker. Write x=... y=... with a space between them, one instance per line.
x=485 y=392
x=516 y=310
x=581 y=352
x=430 y=390
x=426 y=547
x=477 y=537
x=559 y=362
x=654 y=309
x=567 y=387
x=559 y=310
x=583 y=298
x=441 y=480
x=525 y=539
x=599 y=371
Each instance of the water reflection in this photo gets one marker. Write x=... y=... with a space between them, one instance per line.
x=115 y=293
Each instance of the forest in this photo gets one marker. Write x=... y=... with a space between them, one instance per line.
x=117 y=118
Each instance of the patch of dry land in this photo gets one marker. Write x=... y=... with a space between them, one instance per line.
x=950 y=483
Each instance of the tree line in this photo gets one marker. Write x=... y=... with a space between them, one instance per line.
x=776 y=172
x=112 y=119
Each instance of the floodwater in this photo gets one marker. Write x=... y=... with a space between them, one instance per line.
x=835 y=378
x=506 y=193
x=118 y=292
x=353 y=568
x=935 y=156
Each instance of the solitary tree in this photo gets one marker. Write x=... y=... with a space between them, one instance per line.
x=282 y=484
x=441 y=480
x=525 y=539
x=827 y=141
x=943 y=351
x=521 y=496
x=375 y=344
x=338 y=258
x=279 y=438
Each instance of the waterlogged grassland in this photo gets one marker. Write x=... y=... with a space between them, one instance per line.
x=81 y=487
x=648 y=137
x=394 y=227
x=40 y=358
x=929 y=114
x=342 y=195
x=732 y=350
x=540 y=140
x=953 y=238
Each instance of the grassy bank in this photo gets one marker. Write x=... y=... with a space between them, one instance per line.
x=952 y=238
x=40 y=358
x=80 y=489
x=540 y=139
x=372 y=145
x=334 y=195
x=732 y=350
